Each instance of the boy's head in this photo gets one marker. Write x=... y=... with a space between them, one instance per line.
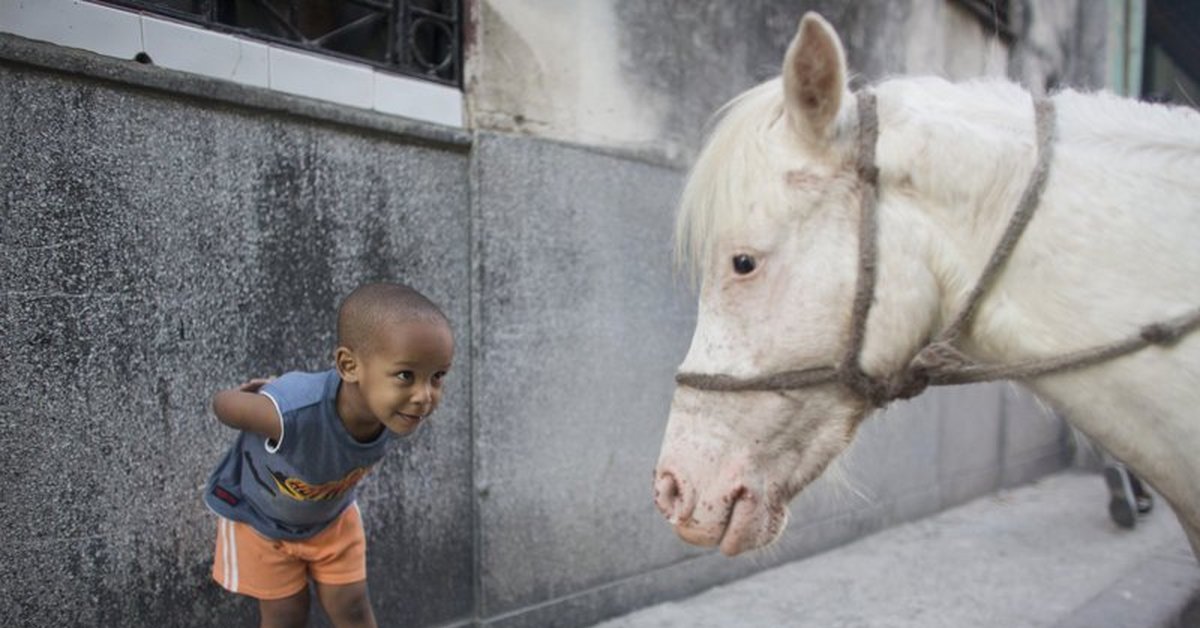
x=394 y=349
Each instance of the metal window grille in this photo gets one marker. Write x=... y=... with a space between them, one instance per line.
x=419 y=38
x=996 y=15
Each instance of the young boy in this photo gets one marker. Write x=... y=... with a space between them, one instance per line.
x=284 y=492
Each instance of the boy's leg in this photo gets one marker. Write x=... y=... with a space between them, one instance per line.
x=338 y=565
x=347 y=605
x=288 y=612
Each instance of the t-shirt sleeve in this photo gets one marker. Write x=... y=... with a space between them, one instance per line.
x=284 y=395
x=293 y=393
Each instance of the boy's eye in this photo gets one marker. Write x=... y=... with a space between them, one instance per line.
x=439 y=376
x=405 y=376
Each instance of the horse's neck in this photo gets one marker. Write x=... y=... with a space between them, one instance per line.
x=963 y=167
x=1110 y=248
x=1112 y=235
x=942 y=163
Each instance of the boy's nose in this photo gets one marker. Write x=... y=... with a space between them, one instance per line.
x=424 y=393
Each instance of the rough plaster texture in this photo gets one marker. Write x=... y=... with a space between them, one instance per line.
x=155 y=249
x=150 y=255
x=647 y=76
x=562 y=69
x=551 y=553
x=580 y=324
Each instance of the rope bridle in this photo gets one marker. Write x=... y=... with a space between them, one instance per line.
x=939 y=362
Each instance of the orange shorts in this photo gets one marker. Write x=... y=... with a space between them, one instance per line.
x=251 y=564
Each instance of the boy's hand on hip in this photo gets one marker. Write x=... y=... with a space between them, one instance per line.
x=255 y=384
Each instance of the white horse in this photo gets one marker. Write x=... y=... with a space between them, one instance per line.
x=787 y=227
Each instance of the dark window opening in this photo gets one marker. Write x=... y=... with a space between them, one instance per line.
x=1171 y=55
x=420 y=38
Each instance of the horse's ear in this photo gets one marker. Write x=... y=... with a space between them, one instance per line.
x=814 y=77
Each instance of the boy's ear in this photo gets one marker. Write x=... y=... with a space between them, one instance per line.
x=346 y=363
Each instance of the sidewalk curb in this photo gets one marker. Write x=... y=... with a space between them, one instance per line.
x=1044 y=555
x=1162 y=592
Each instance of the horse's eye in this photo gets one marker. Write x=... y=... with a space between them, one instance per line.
x=743 y=264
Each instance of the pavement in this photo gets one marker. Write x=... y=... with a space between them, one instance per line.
x=1045 y=555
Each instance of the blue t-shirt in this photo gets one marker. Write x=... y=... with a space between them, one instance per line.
x=293 y=488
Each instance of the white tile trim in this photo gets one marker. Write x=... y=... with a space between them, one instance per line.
x=403 y=96
x=305 y=74
x=74 y=24
x=179 y=46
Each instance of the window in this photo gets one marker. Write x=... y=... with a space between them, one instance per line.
x=1171 y=70
x=420 y=38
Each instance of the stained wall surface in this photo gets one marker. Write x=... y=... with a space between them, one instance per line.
x=567 y=530
x=647 y=77
x=164 y=237
x=157 y=248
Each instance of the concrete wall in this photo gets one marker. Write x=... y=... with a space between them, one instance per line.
x=568 y=534
x=157 y=247
x=165 y=235
x=646 y=77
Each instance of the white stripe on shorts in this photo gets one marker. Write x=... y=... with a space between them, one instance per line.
x=230 y=555
x=225 y=552
x=233 y=556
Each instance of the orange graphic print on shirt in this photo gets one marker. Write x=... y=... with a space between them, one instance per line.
x=303 y=491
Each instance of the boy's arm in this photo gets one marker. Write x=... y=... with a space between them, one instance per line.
x=244 y=409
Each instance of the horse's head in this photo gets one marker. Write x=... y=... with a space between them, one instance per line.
x=769 y=219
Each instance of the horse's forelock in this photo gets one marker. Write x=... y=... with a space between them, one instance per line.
x=742 y=164
x=727 y=175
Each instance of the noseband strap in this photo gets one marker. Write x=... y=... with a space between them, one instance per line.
x=939 y=362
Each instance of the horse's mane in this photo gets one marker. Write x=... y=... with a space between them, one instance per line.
x=935 y=117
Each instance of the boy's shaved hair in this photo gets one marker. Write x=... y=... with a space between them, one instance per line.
x=372 y=304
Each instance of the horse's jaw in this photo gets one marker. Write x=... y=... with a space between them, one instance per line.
x=731 y=463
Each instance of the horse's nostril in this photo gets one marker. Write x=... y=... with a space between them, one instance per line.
x=669 y=497
x=666 y=490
